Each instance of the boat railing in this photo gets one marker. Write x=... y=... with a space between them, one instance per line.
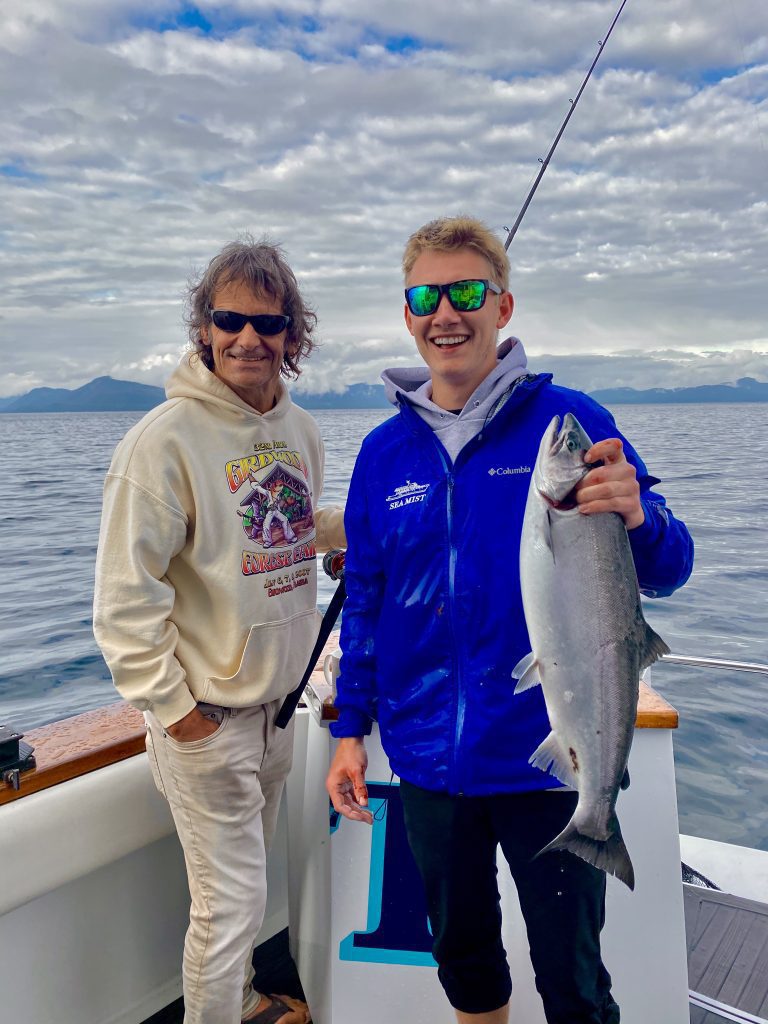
x=720 y=663
x=723 y=1010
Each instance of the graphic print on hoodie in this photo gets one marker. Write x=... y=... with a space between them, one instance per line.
x=275 y=511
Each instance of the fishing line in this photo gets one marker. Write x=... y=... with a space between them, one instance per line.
x=573 y=104
x=381 y=811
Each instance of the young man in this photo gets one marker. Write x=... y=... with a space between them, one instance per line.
x=433 y=626
x=181 y=613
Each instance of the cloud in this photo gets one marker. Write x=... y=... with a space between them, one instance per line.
x=137 y=140
x=666 y=368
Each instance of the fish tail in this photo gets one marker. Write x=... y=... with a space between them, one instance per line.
x=609 y=855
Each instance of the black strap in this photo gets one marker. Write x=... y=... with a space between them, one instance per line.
x=329 y=621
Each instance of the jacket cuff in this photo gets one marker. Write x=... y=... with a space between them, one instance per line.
x=351 y=723
x=170 y=711
x=648 y=532
x=329 y=525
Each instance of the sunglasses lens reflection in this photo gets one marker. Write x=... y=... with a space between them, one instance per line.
x=467 y=295
x=268 y=323
x=229 y=322
x=263 y=323
x=423 y=299
x=464 y=296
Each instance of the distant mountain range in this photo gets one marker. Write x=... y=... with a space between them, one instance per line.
x=355 y=396
x=107 y=395
x=746 y=389
x=104 y=394
x=100 y=395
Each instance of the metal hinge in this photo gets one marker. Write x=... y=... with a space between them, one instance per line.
x=15 y=757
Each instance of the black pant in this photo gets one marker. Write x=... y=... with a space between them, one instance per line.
x=454 y=842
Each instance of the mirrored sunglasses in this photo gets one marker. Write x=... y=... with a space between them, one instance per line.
x=263 y=323
x=464 y=296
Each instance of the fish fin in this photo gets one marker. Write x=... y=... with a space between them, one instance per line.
x=609 y=855
x=624 y=784
x=652 y=648
x=549 y=756
x=526 y=671
x=548 y=535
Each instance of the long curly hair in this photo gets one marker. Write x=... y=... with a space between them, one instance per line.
x=261 y=266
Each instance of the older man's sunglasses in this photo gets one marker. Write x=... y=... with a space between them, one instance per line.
x=464 y=296
x=263 y=323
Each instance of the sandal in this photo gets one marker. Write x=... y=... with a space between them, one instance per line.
x=273 y=1013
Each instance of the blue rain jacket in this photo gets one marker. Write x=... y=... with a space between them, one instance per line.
x=433 y=622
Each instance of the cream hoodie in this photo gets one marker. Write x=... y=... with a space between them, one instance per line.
x=206 y=590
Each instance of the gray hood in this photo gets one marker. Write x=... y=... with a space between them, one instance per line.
x=454 y=430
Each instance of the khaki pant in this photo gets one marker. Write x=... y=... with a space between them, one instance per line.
x=224 y=793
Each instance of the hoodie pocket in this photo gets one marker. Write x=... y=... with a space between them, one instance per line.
x=273 y=661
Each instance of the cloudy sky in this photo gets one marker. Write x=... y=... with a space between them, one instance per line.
x=136 y=139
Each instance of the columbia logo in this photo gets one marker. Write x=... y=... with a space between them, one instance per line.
x=509 y=470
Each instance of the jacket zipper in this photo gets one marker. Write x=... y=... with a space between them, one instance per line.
x=458 y=686
x=418 y=424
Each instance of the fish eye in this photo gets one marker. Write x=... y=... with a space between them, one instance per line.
x=572 y=443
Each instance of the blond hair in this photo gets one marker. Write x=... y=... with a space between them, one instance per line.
x=447 y=234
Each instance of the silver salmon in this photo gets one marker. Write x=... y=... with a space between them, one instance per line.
x=589 y=644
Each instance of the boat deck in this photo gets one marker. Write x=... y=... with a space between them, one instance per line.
x=727 y=955
x=727 y=960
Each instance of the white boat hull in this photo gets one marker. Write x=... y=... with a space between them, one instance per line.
x=336 y=894
x=94 y=902
x=93 y=905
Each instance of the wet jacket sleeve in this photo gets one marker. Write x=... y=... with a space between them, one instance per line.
x=364 y=577
x=662 y=547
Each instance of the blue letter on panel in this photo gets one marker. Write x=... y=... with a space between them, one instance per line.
x=397 y=928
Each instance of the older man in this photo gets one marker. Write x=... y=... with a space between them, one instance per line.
x=434 y=625
x=191 y=634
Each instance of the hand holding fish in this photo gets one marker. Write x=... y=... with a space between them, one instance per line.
x=611 y=487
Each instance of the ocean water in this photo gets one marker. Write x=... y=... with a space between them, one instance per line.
x=713 y=460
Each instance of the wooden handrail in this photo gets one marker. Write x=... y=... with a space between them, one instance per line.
x=653 y=712
x=74 y=746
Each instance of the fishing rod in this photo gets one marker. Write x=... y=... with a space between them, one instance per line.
x=573 y=104
x=333 y=563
